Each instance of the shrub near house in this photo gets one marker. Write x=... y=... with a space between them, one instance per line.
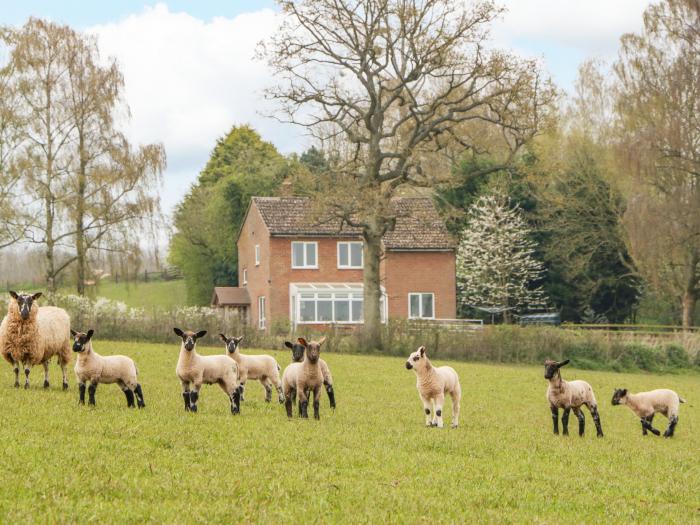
x=308 y=271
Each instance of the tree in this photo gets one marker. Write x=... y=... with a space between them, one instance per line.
x=207 y=220
x=495 y=263
x=386 y=83
x=658 y=106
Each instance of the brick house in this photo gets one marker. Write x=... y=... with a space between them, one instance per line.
x=301 y=271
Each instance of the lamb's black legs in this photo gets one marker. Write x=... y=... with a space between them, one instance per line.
x=129 y=397
x=16 y=375
x=581 y=421
x=596 y=421
x=672 y=422
x=555 y=418
x=81 y=391
x=331 y=393
x=186 y=399
x=26 y=377
x=288 y=404
x=46 y=375
x=268 y=392
x=236 y=402
x=91 y=393
x=317 y=395
x=565 y=421
x=646 y=425
x=194 y=396
x=139 y=396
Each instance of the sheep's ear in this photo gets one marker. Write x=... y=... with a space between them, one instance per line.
x=302 y=341
x=73 y=333
x=223 y=338
x=14 y=295
x=89 y=334
x=563 y=363
x=37 y=295
x=623 y=392
x=238 y=339
x=289 y=345
x=322 y=340
x=178 y=332
x=422 y=351
x=200 y=334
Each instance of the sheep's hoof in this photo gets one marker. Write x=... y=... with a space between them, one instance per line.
x=600 y=435
x=65 y=386
x=454 y=425
x=193 y=408
x=26 y=386
x=17 y=384
x=46 y=383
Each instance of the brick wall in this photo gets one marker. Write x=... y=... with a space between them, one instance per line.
x=255 y=232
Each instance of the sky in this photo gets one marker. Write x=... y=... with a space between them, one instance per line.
x=190 y=74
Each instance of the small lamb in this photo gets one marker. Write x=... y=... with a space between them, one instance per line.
x=196 y=370
x=569 y=395
x=646 y=404
x=298 y=356
x=432 y=384
x=304 y=378
x=93 y=368
x=264 y=368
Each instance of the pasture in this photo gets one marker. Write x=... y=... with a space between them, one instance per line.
x=372 y=461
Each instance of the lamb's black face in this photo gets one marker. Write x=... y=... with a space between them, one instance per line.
x=24 y=303
x=189 y=339
x=231 y=344
x=619 y=395
x=551 y=368
x=297 y=351
x=80 y=340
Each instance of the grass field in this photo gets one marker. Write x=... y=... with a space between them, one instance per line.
x=372 y=461
x=153 y=294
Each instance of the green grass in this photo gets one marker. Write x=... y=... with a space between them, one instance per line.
x=372 y=461
x=153 y=294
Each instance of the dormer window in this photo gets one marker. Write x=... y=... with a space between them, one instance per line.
x=304 y=255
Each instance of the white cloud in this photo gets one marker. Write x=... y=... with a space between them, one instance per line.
x=188 y=81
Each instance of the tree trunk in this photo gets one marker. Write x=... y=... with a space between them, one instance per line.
x=79 y=220
x=50 y=259
x=688 y=302
x=372 y=247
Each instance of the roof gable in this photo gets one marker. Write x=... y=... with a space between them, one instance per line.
x=230 y=296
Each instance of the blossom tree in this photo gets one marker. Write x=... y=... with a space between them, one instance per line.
x=496 y=267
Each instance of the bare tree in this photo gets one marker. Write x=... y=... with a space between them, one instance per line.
x=397 y=80
x=659 y=110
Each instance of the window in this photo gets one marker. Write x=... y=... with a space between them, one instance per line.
x=257 y=255
x=304 y=255
x=245 y=276
x=349 y=255
x=329 y=303
x=421 y=306
x=261 y=313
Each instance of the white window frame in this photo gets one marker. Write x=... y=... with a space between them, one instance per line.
x=245 y=276
x=257 y=255
x=420 y=304
x=297 y=289
x=261 y=312
x=349 y=266
x=304 y=266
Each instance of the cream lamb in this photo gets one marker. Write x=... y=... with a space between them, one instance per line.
x=432 y=384
x=195 y=370
x=91 y=367
x=646 y=404
x=304 y=378
x=263 y=368
x=569 y=395
x=32 y=335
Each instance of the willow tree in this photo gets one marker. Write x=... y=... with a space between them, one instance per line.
x=387 y=83
x=659 y=109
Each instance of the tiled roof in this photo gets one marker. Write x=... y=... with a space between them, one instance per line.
x=230 y=296
x=418 y=224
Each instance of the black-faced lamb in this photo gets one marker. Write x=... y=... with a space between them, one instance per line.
x=432 y=384
x=194 y=370
x=92 y=368
x=263 y=368
x=304 y=378
x=32 y=335
x=569 y=395
x=646 y=404
x=298 y=356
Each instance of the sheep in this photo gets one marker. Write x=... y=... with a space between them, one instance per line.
x=569 y=395
x=196 y=369
x=93 y=368
x=646 y=404
x=303 y=378
x=432 y=384
x=32 y=335
x=264 y=368
x=298 y=357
